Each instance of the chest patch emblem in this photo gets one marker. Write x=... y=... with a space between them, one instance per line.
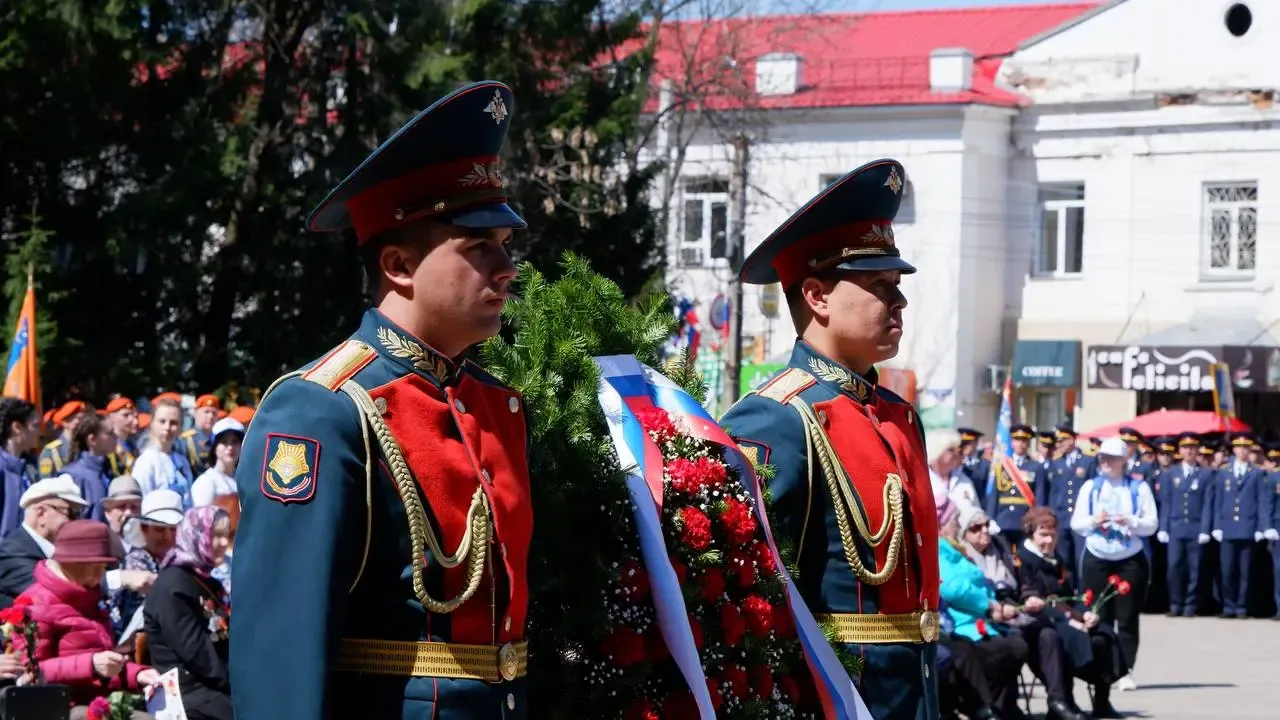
x=289 y=468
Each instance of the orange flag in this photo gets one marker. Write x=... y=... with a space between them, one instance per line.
x=22 y=379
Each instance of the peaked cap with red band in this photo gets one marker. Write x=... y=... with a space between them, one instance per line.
x=442 y=165
x=848 y=226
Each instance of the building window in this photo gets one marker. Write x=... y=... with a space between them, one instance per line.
x=1049 y=410
x=705 y=221
x=1230 y=229
x=1061 y=247
x=906 y=209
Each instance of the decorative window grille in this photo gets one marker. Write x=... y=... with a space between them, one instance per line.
x=1230 y=229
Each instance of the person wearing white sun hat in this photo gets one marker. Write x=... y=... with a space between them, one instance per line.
x=1114 y=513
x=150 y=535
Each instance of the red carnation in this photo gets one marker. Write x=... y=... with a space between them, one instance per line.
x=1113 y=580
x=634 y=581
x=712 y=586
x=655 y=647
x=732 y=623
x=739 y=522
x=682 y=572
x=11 y=616
x=625 y=646
x=759 y=615
x=657 y=423
x=697 y=529
x=789 y=687
x=716 y=698
x=696 y=628
x=684 y=476
x=982 y=627
x=22 y=601
x=736 y=679
x=641 y=710
x=680 y=706
x=711 y=473
x=764 y=559
x=762 y=680
x=739 y=563
x=1088 y=597
x=1123 y=587
x=783 y=624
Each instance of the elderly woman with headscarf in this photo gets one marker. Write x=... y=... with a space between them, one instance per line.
x=186 y=615
x=987 y=654
x=990 y=553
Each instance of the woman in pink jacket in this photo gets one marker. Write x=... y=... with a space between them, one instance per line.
x=74 y=644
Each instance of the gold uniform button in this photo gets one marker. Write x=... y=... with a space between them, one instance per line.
x=511 y=701
x=822 y=416
x=919 y=540
x=506 y=624
x=458 y=404
x=485 y=474
x=513 y=405
x=504 y=549
x=380 y=404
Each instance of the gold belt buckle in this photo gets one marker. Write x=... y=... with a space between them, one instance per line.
x=508 y=662
x=929 y=626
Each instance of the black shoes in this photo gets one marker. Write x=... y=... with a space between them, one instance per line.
x=1102 y=707
x=1060 y=710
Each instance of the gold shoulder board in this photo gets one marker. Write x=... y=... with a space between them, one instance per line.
x=341 y=364
x=787 y=385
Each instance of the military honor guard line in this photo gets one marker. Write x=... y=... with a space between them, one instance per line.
x=406 y=467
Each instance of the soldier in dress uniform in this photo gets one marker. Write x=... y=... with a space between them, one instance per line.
x=1207 y=452
x=122 y=414
x=975 y=467
x=1166 y=449
x=1186 y=519
x=1271 y=513
x=852 y=491
x=1237 y=523
x=382 y=549
x=61 y=449
x=1046 y=445
x=196 y=440
x=1068 y=472
x=1009 y=498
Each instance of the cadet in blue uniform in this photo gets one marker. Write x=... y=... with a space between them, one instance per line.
x=1186 y=519
x=1067 y=473
x=122 y=415
x=61 y=450
x=975 y=467
x=1236 y=523
x=1008 y=498
x=1046 y=446
x=382 y=549
x=873 y=572
x=196 y=441
x=1271 y=512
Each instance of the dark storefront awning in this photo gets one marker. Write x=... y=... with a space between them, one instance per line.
x=1046 y=363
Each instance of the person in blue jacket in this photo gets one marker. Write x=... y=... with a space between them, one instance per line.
x=19 y=437
x=93 y=443
x=1237 y=522
x=1067 y=473
x=1186 y=519
x=981 y=622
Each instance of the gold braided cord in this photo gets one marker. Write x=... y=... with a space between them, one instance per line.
x=844 y=505
x=473 y=548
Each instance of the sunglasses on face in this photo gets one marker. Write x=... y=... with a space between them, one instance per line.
x=976 y=528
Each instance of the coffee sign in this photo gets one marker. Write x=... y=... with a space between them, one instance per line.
x=1138 y=367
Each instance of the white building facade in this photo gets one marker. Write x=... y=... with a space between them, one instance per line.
x=1121 y=217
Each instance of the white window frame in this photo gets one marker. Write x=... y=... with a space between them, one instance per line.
x=1232 y=271
x=1060 y=207
x=704 y=242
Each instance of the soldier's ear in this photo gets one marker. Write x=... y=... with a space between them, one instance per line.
x=815 y=293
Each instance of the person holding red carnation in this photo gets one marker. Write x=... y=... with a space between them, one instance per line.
x=1065 y=637
x=1115 y=514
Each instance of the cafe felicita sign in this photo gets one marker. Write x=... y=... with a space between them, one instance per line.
x=1137 y=367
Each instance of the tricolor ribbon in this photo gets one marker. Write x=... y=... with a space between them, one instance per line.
x=627 y=385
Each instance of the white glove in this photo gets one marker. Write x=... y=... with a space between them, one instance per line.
x=1271 y=534
x=1217 y=535
x=1202 y=539
x=1162 y=536
x=1257 y=536
x=993 y=527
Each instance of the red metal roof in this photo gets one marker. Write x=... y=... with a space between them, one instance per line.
x=850 y=59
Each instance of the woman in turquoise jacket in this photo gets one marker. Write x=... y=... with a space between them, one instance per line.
x=979 y=627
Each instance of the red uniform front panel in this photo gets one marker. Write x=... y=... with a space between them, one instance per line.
x=469 y=436
x=898 y=426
